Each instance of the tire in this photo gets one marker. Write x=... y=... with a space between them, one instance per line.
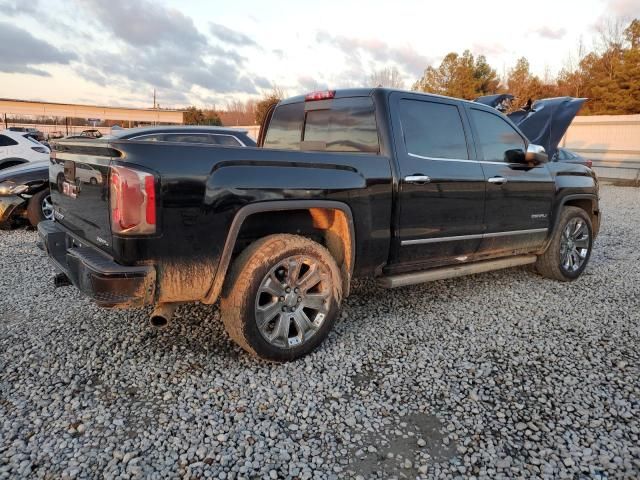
x=60 y=181
x=555 y=262
x=36 y=209
x=292 y=286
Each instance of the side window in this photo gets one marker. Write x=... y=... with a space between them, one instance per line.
x=190 y=138
x=150 y=138
x=285 y=128
x=349 y=125
x=227 y=140
x=433 y=129
x=498 y=140
x=7 y=141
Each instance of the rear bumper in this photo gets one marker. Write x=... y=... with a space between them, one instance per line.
x=9 y=205
x=106 y=282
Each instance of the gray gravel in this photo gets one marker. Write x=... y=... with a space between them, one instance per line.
x=503 y=374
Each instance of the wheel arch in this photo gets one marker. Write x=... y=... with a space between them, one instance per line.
x=334 y=219
x=585 y=201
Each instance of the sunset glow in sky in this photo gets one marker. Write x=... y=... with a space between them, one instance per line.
x=206 y=53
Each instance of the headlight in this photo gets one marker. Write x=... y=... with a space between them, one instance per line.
x=10 y=188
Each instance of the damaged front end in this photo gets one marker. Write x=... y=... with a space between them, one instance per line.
x=544 y=122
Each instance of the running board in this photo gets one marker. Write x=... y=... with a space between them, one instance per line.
x=405 y=279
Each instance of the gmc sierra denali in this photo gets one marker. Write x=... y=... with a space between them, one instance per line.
x=402 y=186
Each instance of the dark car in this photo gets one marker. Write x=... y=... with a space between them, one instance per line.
x=24 y=194
x=566 y=155
x=230 y=137
x=403 y=187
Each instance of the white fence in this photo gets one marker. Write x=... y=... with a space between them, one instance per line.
x=611 y=141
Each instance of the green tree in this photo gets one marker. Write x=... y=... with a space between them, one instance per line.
x=525 y=86
x=460 y=76
x=263 y=106
x=197 y=116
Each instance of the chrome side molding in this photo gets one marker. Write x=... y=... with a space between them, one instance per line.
x=421 y=241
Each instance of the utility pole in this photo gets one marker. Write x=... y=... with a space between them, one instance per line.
x=154 y=105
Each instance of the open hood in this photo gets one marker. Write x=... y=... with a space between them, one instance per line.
x=545 y=122
x=499 y=101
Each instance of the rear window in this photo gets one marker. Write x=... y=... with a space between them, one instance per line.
x=7 y=141
x=433 y=130
x=345 y=125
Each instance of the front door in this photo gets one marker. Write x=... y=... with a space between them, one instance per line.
x=442 y=187
x=519 y=196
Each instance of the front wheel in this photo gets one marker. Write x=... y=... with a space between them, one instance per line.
x=570 y=248
x=282 y=297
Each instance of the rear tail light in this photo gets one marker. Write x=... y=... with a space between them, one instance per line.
x=326 y=95
x=133 y=201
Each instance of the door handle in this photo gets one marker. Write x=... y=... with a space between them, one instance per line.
x=417 y=178
x=497 y=180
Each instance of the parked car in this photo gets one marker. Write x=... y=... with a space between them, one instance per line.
x=401 y=186
x=55 y=135
x=86 y=173
x=33 y=132
x=231 y=137
x=90 y=133
x=24 y=194
x=566 y=155
x=19 y=147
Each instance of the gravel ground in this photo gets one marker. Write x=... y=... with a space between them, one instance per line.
x=503 y=374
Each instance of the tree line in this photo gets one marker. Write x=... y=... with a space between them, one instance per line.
x=608 y=75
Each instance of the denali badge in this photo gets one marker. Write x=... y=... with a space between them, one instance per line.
x=58 y=215
x=102 y=241
x=539 y=215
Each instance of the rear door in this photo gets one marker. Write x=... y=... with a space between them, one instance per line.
x=518 y=199
x=442 y=186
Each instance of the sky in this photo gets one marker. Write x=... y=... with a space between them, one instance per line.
x=209 y=53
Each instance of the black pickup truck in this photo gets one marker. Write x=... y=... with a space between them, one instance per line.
x=402 y=186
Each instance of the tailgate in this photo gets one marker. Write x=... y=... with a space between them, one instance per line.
x=79 y=177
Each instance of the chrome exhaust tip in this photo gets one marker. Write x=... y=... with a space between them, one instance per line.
x=162 y=315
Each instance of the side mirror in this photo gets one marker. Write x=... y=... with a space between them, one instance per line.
x=536 y=154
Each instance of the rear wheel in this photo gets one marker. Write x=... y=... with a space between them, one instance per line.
x=282 y=297
x=40 y=207
x=570 y=248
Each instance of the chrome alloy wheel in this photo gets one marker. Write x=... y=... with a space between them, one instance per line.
x=293 y=301
x=47 y=207
x=574 y=244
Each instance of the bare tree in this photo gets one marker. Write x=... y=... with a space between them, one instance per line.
x=386 y=77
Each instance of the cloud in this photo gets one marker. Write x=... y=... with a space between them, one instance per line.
x=12 y=8
x=232 y=37
x=405 y=57
x=624 y=8
x=551 y=33
x=159 y=47
x=21 y=52
x=488 y=48
x=143 y=23
x=307 y=83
